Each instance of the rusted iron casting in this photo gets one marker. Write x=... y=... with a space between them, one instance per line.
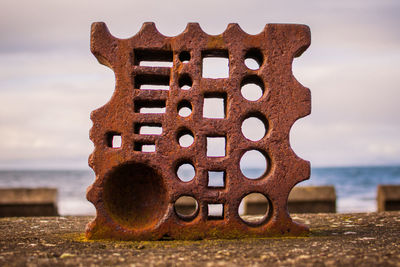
x=135 y=190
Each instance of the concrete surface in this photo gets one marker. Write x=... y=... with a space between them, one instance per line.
x=367 y=239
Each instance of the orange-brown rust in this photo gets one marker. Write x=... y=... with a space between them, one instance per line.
x=135 y=191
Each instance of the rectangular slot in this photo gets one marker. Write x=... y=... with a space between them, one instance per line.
x=152 y=82
x=215 y=64
x=153 y=58
x=150 y=106
x=215 y=211
x=214 y=106
x=216 y=146
x=216 y=178
x=114 y=140
x=164 y=64
x=144 y=147
x=148 y=128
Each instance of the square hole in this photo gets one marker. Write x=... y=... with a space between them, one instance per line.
x=148 y=128
x=216 y=178
x=114 y=140
x=143 y=147
x=214 y=106
x=215 y=211
x=148 y=148
x=216 y=146
x=215 y=64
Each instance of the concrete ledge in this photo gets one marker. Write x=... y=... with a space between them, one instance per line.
x=388 y=197
x=302 y=199
x=28 y=202
x=361 y=239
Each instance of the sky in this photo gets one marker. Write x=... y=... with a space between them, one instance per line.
x=50 y=82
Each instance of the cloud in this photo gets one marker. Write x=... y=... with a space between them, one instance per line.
x=45 y=114
x=49 y=81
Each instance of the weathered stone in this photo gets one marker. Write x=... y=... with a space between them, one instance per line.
x=28 y=202
x=388 y=197
x=135 y=191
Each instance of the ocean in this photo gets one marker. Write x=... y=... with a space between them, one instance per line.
x=355 y=186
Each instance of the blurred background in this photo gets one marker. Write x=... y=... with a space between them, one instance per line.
x=50 y=82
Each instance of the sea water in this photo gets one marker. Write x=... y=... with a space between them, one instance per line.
x=355 y=186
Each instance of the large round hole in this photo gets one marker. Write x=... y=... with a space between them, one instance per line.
x=134 y=195
x=184 y=56
x=252 y=88
x=253 y=59
x=186 y=172
x=186 y=207
x=253 y=128
x=253 y=164
x=185 y=138
x=185 y=82
x=253 y=208
x=184 y=108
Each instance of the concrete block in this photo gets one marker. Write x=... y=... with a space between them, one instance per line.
x=302 y=199
x=22 y=202
x=312 y=199
x=388 y=197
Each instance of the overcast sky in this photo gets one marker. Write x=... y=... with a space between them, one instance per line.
x=50 y=82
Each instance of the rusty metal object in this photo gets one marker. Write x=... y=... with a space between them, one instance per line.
x=135 y=191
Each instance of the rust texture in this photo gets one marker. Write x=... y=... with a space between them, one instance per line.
x=135 y=191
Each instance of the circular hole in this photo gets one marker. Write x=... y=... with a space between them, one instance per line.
x=185 y=82
x=253 y=59
x=185 y=112
x=253 y=208
x=253 y=164
x=252 y=88
x=251 y=63
x=185 y=138
x=186 y=206
x=253 y=128
x=184 y=108
x=186 y=172
x=184 y=56
x=133 y=189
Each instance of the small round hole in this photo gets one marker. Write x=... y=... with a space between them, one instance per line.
x=184 y=56
x=185 y=138
x=186 y=172
x=185 y=112
x=252 y=88
x=186 y=206
x=253 y=208
x=248 y=167
x=251 y=64
x=184 y=108
x=253 y=59
x=253 y=128
x=185 y=82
